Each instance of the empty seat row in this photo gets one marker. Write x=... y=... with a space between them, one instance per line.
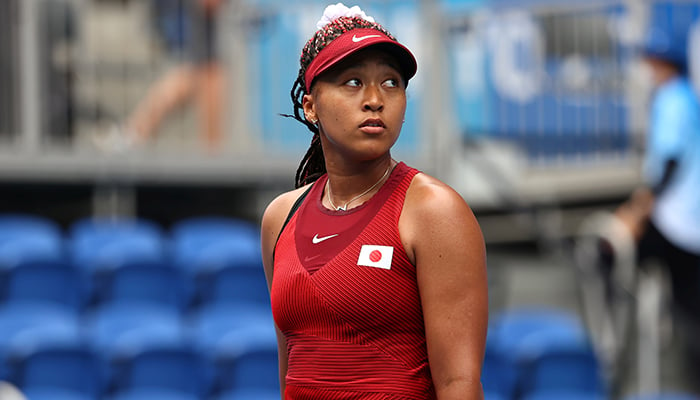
x=98 y=244
x=129 y=340
x=66 y=285
x=539 y=353
x=163 y=371
x=115 y=295
x=96 y=260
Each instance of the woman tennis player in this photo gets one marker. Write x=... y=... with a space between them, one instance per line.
x=376 y=270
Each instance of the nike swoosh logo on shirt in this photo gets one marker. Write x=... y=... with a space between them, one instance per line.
x=356 y=39
x=317 y=240
x=307 y=259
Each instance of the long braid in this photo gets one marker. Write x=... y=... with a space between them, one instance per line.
x=313 y=165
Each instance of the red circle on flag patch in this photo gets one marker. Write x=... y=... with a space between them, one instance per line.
x=375 y=256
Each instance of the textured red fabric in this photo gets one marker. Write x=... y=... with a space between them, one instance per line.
x=324 y=233
x=353 y=332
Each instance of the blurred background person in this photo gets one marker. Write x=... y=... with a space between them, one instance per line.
x=190 y=31
x=664 y=215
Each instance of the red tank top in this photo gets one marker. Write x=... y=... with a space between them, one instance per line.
x=353 y=322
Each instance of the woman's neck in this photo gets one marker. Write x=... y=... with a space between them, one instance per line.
x=348 y=188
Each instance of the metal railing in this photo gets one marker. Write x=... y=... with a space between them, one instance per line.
x=556 y=80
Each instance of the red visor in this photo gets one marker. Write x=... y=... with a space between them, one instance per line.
x=353 y=41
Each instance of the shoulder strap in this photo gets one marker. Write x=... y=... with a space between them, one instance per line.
x=292 y=211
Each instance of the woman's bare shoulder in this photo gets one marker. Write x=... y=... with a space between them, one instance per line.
x=433 y=206
x=429 y=192
x=278 y=209
x=272 y=221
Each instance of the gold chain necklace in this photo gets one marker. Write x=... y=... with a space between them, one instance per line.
x=345 y=206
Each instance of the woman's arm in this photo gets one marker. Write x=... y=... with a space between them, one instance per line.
x=272 y=221
x=443 y=239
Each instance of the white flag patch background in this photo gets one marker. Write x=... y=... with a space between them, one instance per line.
x=375 y=256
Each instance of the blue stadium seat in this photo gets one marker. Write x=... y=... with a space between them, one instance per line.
x=121 y=329
x=206 y=247
x=499 y=373
x=26 y=327
x=563 y=364
x=221 y=332
x=256 y=368
x=221 y=328
x=251 y=394
x=102 y=244
x=489 y=395
x=71 y=369
x=175 y=368
x=53 y=393
x=202 y=243
x=520 y=331
x=99 y=245
x=233 y=284
x=153 y=394
x=26 y=237
x=158 y=283
x=549 y=348
x=249 y=361
x=41 y=304
x=564 y=394
x=523 y=321
x=47 y=281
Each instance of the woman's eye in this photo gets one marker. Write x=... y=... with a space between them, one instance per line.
x=391 y=83
x=353 y=82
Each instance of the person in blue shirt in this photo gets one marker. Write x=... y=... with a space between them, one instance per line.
x=667 y=208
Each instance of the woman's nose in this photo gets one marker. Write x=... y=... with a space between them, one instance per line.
x=373 y=98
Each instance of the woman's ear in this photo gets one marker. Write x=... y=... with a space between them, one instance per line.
x=309 y=110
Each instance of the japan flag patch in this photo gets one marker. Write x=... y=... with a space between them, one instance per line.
x=375 y=256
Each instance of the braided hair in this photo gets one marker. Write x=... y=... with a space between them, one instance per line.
x=313 y=165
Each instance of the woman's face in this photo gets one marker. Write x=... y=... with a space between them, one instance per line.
x=359 y=104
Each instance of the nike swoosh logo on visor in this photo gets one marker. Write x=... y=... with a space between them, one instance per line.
x=317 y=240
x=356 y=39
